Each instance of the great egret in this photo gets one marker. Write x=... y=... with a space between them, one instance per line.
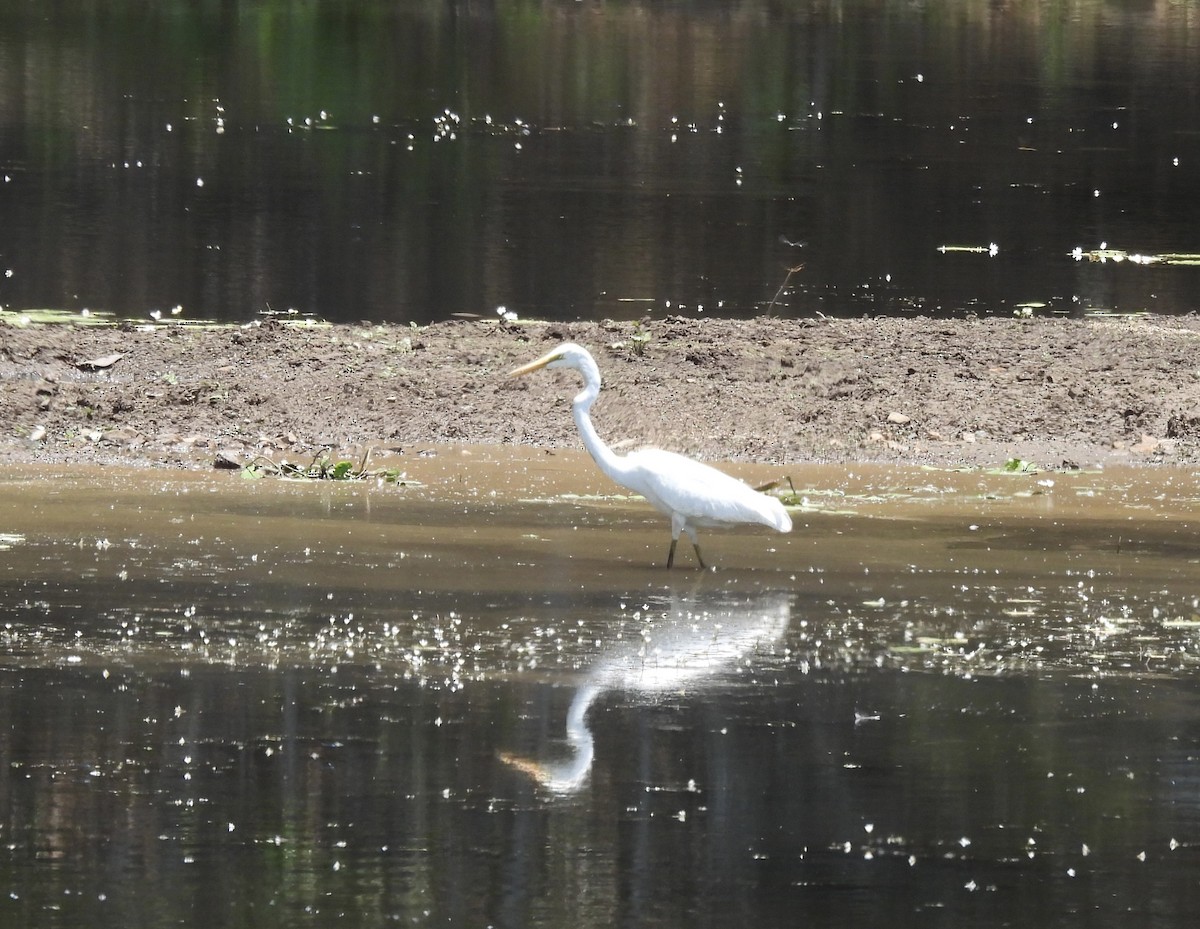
x=691 y=493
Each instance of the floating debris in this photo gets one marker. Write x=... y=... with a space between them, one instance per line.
x=1118 y=255
x=991 y=249
x=99 y=364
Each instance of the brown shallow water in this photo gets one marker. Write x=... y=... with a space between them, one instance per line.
x=479 y=698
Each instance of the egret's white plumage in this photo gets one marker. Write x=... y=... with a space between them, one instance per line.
x=692 y=494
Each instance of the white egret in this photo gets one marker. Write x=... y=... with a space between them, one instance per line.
x=690 y=493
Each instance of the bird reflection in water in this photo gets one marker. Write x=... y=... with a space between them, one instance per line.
x=683 y=646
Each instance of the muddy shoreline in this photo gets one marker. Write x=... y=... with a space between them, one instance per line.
x=978 y=392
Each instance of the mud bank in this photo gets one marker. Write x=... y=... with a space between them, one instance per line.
x=1055 y=392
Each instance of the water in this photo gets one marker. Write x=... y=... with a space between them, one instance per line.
x=410 y=161
x=474 y=700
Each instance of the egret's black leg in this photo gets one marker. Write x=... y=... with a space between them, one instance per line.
x=671 y=554
x=703 y=566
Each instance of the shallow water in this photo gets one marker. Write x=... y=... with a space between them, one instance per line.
x=475 y=700
x=412 y=160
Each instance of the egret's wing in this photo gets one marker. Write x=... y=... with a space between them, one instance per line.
x=700 y=492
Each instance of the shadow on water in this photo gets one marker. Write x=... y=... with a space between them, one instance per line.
x=479 y=701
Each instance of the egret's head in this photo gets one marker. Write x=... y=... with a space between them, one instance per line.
x=567 y=355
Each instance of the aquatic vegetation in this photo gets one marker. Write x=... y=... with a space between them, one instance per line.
x=323 y=468
x=1011 y=466
x=1019 y=466
x=57 y=317
x=1117 y=255
x=154 y=319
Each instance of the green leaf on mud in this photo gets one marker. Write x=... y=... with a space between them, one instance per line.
x=1016 y=466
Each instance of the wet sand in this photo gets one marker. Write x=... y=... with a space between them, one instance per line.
x=497 y=509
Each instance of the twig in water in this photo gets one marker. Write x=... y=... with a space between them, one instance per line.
x=782 y=287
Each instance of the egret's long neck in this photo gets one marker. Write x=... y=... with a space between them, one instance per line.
x=609 y=462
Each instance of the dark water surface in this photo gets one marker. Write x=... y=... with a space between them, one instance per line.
x=943 y=700
x=410 y=160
